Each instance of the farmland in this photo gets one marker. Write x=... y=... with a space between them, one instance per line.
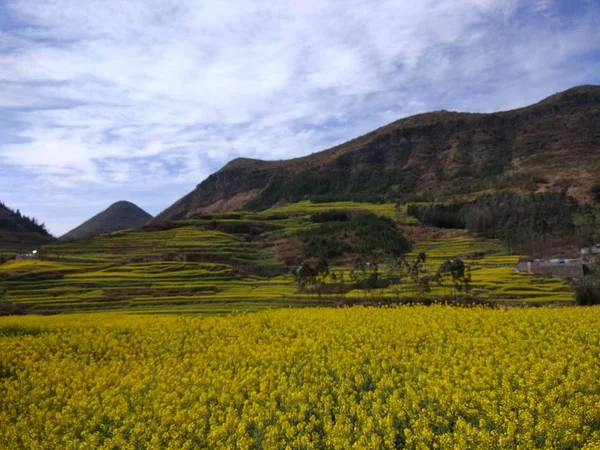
x=369 y=378
x=231 y=262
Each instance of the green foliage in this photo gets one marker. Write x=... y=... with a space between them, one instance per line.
x=13 y=220
x=322 y=267
x=19 y=330
x=516 y=220
x=372 y=186
x=587 y=292
x=596 y=193
x=306 y=275
x=323 y=245
x=439 y=215
x=459 y=273
x=364 y=234
x=330 y=216
x=396 y=211
x=495 y=165
x=10 y=309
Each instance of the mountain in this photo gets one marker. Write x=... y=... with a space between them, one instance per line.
x=552 y=145
x=19 y=233
x=119 y=216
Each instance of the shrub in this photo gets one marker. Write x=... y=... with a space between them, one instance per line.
x=596 y=193
x=329 y=216
x=587 y=293
x=364 y=233
x=11 y=309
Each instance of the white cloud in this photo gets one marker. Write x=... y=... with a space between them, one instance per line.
x=150 y=96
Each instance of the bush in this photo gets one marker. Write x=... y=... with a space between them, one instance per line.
x=596 y=193
x=439 y=215
x=364 y=233
x=330 y=216
x=11 y=309
x=587 y=293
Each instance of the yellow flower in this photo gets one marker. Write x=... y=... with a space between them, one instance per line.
x=355 y=378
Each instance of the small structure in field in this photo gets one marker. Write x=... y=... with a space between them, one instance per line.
x=573 y=268
x=588 y=251
x=23 y=256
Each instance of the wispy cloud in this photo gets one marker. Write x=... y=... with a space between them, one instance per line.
x=105 y=99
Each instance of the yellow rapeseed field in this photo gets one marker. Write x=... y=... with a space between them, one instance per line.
x=360 y=378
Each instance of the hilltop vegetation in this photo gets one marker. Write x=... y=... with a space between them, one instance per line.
x=364 y=234
x=13 y=220
x=19 y=233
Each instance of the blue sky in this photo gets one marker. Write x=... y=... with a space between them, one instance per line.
x=106 y=100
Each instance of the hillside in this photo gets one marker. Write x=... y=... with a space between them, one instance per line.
x=550 y=146
x=19 y=233
x=248 y=261
x=119 y=216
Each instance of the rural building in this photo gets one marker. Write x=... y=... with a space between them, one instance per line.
x=22 y=256
x=558 y=267
x=593 y=250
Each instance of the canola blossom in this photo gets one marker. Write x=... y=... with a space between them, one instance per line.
x=354 y=378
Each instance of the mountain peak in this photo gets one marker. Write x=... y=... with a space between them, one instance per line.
x=121 y=215
x=122 y=203
x=242 y=163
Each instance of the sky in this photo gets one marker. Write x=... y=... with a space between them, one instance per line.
x=140 y=100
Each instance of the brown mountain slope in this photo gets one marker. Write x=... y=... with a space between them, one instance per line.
x=119 y=216
x=551 y=145
x=19 y=233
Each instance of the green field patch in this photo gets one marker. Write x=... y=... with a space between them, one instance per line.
x=390 y=210
x=19 y=331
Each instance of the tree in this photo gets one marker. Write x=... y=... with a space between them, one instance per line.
x=322 y=268
x=396 y=272
x=459 y=274
x=305 y=275
x=587 y=292
x=596 y=193
x=321 y=274
x=416 y=270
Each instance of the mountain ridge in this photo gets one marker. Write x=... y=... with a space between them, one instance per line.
x=550 y=145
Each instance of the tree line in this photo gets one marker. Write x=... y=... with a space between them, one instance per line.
x=14 y=220
x=402 y=279
x=520 y=222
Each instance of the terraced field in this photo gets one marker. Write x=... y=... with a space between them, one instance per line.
x=227 y=262
x=397 y=212
x=493 y=275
